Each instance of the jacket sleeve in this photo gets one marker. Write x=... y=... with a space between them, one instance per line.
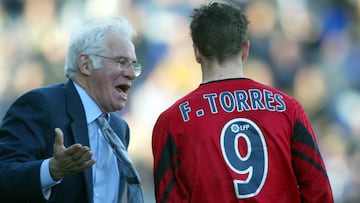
x=24 y=143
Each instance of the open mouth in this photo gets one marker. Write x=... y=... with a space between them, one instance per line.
x=123 y=89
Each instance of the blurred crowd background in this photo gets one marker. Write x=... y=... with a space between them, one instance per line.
x=308 y=49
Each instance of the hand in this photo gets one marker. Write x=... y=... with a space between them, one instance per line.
x=71 y=160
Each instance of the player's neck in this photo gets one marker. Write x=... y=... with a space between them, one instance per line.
x=227 y=70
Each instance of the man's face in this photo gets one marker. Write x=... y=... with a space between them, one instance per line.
x=109 y=84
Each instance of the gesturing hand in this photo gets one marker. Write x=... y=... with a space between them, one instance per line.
x=66 y=161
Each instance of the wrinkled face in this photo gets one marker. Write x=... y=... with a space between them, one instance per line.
x=109 y=84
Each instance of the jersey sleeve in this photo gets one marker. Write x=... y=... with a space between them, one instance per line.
x=168 y=187
x=309 y=168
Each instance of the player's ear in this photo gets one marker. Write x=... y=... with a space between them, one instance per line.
x=197 y=54
x=245 y=50
x=84 y=64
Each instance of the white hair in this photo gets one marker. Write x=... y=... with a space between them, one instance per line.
x=91 y=39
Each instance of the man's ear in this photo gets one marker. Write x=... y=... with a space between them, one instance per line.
x=84 y=64
x=245 y=50
x=197 y=54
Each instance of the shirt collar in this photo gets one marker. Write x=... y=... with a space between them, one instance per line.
x=92 y=110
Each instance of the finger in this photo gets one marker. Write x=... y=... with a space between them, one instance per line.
x=89 y=163
x=59 y=139
x=86 y=156
x=78 y=153
x=84 y=160
x=75 y=149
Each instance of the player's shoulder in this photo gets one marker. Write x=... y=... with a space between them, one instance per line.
x=274 y=90
x=289 y=99
x=173 y=109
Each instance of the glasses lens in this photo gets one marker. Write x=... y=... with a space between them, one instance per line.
x=137 y=69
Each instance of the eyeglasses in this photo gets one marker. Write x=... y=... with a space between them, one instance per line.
x=124 y=62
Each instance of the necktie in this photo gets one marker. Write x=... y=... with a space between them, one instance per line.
x=134 y=190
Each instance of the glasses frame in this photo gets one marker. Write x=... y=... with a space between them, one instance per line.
x=123 y=61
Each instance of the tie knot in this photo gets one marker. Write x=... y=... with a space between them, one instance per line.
x=101 y=120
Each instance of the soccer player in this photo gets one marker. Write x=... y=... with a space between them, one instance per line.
x=233 y=139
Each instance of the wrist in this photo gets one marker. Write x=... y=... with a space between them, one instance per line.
x=54 y=173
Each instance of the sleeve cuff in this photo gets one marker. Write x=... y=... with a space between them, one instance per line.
x=46 y=180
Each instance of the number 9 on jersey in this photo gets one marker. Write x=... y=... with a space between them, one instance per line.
x=251 y=161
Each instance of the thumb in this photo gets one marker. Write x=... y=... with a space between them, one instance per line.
x=59 y=140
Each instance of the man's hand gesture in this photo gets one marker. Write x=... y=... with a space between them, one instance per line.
x=71 y=160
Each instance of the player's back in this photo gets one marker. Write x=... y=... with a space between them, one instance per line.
x=234 y=141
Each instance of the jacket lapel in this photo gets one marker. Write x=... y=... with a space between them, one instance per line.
x=79 y=128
